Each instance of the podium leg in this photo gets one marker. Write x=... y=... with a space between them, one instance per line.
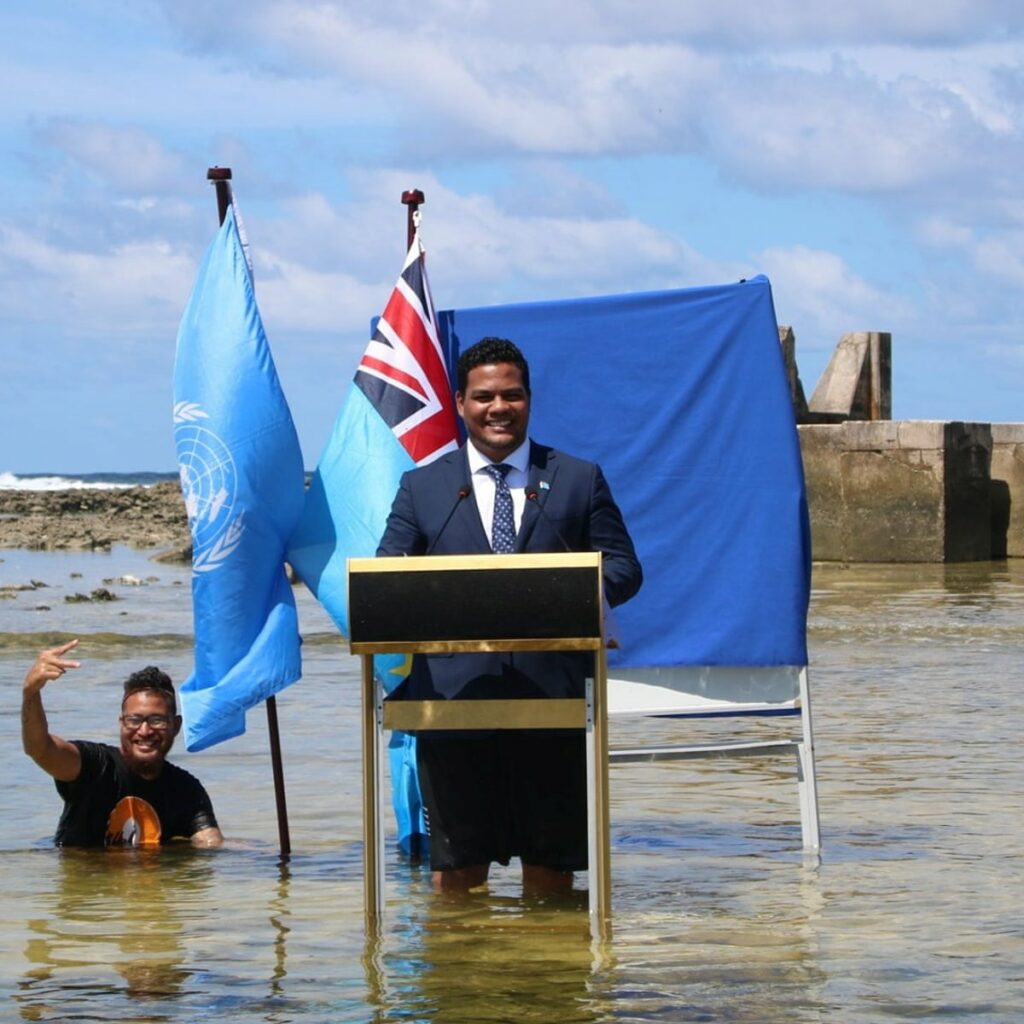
x=598 y=817
x=373 y=845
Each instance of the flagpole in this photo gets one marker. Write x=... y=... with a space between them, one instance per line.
x=221 y=177
x=412 y=200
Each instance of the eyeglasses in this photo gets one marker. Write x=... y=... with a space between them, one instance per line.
x=156 y=722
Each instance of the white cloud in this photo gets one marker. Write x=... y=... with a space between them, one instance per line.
x=1001 y=257
x=851 y=129
x=297 y=298
x=483 y=249
x=744 y=24
x=872 y=98
x=822 y=297
x=998 y=254
x=941 y=231
x=124 y=158
x=124 y=292
x=1007 y=353
x=326 y=267
x=798 y=119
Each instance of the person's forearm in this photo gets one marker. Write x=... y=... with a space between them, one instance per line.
x=56 y=756
x=35 y=732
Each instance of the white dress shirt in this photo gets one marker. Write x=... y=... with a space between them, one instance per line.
x=483 y=483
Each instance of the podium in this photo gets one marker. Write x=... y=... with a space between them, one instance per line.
x=471 y=604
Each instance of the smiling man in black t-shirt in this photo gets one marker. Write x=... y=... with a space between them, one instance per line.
x=127 y=796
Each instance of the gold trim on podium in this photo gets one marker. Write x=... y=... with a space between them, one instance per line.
x=524 y=713
x=460 y=563
x=475 y=646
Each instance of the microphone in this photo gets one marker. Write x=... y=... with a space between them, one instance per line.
x=531 y=495
x=464 y=492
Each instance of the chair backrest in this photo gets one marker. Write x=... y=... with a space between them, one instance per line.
x=705 y=691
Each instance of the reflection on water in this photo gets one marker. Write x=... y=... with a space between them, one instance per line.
x=914 y=910
x=465 y=957
x=107 y=925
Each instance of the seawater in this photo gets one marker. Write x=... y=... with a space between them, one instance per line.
x=912 y=912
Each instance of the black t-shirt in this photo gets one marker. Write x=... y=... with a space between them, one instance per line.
x=108 y=804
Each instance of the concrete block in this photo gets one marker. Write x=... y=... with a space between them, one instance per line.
x=922 y=434
x=821 y=436
x=893 y=508
x=857 y=383
x=873 y=435
x=787 y=339
x=968 y=499
x=1007 y=433
x=875 y=498
x=822 y=448
x=1007 y=490
x=836 y=389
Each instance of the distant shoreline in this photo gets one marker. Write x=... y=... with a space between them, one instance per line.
x=97 y=519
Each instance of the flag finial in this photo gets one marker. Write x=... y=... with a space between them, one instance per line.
x=412 y=198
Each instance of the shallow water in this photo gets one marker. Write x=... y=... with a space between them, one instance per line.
x=913 y=912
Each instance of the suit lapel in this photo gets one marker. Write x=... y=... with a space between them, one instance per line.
x=467 y=516
x=543 y=467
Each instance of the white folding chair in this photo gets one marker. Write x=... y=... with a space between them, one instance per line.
x=719 y=692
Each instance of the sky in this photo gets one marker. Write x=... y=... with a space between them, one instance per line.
x=866 y=157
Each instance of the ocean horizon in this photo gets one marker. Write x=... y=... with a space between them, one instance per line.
x=104 y=481
x=81 y=481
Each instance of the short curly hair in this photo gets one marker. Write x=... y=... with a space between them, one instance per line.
x=487 y=352
x=154 y=680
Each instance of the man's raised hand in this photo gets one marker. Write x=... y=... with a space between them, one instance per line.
x=49 y=665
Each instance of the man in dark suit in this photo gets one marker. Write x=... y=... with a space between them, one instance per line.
x=491 y=796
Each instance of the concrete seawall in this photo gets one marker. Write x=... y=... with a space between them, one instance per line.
x=914 y=490
x=884 y=490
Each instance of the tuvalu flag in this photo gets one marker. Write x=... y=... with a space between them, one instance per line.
x=399 y=413
x=242 y=479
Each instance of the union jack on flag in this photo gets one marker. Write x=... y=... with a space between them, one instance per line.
x=403 y=371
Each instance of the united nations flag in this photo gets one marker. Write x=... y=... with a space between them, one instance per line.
x=242 y=481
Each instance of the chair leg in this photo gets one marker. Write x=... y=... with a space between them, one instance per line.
x=807 y=783
x=808 y=792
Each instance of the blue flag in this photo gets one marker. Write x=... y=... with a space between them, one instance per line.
x=348 y=502
x=242 y=480
x=399 y=413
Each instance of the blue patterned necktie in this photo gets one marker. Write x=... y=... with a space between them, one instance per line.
x=503 y=525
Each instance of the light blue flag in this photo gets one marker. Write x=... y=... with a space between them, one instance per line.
x=242 y=480
x=348 y=502
x=346 y=508
x=399 y=413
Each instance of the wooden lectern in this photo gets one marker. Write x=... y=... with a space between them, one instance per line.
x=481 y=603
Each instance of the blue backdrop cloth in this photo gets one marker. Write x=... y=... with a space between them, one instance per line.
x=682 y=398
x=242 y=480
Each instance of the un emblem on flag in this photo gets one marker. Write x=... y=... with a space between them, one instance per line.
x=209 y=486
